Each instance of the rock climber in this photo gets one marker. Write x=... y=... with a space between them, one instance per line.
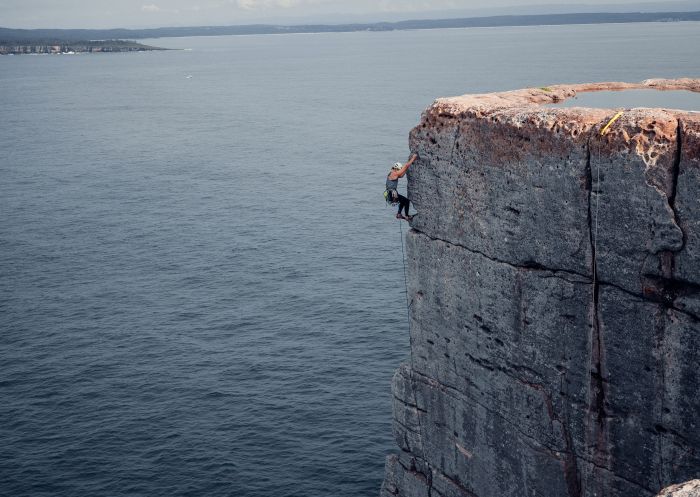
x=391 y=194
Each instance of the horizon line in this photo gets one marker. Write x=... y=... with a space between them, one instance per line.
x=359 y=26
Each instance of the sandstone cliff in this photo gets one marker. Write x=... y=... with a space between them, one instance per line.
x=554 y=288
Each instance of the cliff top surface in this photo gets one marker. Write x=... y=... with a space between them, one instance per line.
x=554 y=94
x=649 y=131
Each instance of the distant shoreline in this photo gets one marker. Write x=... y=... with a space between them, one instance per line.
x=63 y=47
x=112 y=39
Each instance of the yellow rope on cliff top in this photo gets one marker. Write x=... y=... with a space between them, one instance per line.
x=606 y=128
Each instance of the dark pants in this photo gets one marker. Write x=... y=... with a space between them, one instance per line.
x=403 y=203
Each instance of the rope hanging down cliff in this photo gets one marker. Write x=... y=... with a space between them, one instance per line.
x=603 y=132
x=405 y=284
x=392 y=196
x=598 y=378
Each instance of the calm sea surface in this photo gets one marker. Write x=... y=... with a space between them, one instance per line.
x=201 y=290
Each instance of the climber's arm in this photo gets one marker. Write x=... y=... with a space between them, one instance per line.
x=405 y=167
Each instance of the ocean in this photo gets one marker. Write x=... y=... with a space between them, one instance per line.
x=201 y=288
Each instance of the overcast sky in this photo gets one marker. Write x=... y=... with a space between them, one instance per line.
x=156 y=13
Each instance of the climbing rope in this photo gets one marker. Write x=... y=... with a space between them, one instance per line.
x=606 y=128
x=405 y=284
x=604 y=131
x=408 y=306
x=595 y=229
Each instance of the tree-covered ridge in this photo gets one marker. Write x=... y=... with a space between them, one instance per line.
x=26 y=35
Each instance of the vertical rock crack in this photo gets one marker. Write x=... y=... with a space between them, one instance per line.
x=596 y=423
x=674 y=175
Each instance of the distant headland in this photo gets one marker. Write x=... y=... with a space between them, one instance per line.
x=22 y=41
x=58 y=46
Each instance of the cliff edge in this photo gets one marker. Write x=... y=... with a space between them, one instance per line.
x=554 y=289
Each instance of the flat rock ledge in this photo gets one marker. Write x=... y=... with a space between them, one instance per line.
x=687 y=489
x=554 y=290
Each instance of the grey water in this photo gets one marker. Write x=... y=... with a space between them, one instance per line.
x=201 y=289
x=665 y=99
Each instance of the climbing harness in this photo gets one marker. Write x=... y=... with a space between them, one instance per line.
x=391 y=192
x=391 y=196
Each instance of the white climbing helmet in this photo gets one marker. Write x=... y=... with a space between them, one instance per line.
x=396 y=166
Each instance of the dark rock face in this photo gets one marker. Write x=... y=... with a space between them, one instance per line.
x=554 y=283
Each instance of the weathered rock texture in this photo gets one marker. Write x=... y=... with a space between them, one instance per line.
x=687 y=489
x=554 y=286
